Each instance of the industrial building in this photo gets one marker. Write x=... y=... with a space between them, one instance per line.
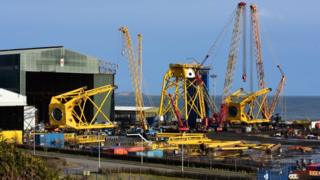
x=125 y=116
x=11 y=110
x=43 y=72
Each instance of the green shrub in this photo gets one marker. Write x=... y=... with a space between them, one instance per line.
x=16 y=164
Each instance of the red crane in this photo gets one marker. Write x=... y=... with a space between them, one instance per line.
x=276 y=97
x=181 y=126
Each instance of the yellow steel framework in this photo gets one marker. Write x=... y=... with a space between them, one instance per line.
x=247 y=107
x=167 y=135
x=180 y=82
x=73 y=138
x=197 y=143
x=67 y=110
x=135 y=67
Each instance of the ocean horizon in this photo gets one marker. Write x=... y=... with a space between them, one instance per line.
x=289 y=107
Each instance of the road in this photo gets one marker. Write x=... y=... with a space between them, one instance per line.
x=263 y=139
x=91 y=164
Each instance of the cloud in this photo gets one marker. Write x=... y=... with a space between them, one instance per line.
x=267 y=14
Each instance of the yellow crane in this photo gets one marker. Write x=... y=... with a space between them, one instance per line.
x=135 y=68
x=67 y=110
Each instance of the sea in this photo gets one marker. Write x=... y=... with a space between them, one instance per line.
x=289 y=107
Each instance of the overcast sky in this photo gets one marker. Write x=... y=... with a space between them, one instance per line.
x=174 y=31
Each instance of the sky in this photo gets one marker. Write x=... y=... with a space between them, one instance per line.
x=174 y=31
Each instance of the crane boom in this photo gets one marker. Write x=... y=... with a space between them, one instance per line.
x=139 y=61
x=234 y=50
x=280 y=87
x=181 y=125
x=135 y=67
x=258 y=51
x=232 y=59
x=257 y=46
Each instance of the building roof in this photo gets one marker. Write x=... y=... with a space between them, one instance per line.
x=33 y=48
x=58 y=59
x=130 y=108
x=9 y=98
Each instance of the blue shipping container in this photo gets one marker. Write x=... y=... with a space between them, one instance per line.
x=53 y=140
x=274 y=174
x=153 y=153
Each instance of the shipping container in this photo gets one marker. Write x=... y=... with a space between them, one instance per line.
x=153 y=153
x=135 y=149
x=53 y=140
x=116 y=150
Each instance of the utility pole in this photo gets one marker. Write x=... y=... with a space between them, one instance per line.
x=182 y=169
x=99 y=165
x=142 y=151
x=34 y=143
x=142 y=139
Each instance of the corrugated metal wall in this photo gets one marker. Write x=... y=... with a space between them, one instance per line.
x=41 y=86
x=10 y=72
x=50 y=61
x=101 y=80
x=11 y=118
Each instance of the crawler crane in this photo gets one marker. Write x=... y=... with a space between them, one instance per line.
x=249 y=108
x=242 y=107
x=135 y=67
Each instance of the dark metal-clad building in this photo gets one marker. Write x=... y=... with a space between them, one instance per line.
x=40 y=73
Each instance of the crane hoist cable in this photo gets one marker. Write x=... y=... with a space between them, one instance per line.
x=251 y=59
x=244 y=46
x=218 y=39
x=280 y=88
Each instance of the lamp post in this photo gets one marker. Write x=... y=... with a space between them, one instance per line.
x=142 y=151
x=34 y=143
x=142 y=139
x=99 y=153
x=182 y=158
x=34 y=139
